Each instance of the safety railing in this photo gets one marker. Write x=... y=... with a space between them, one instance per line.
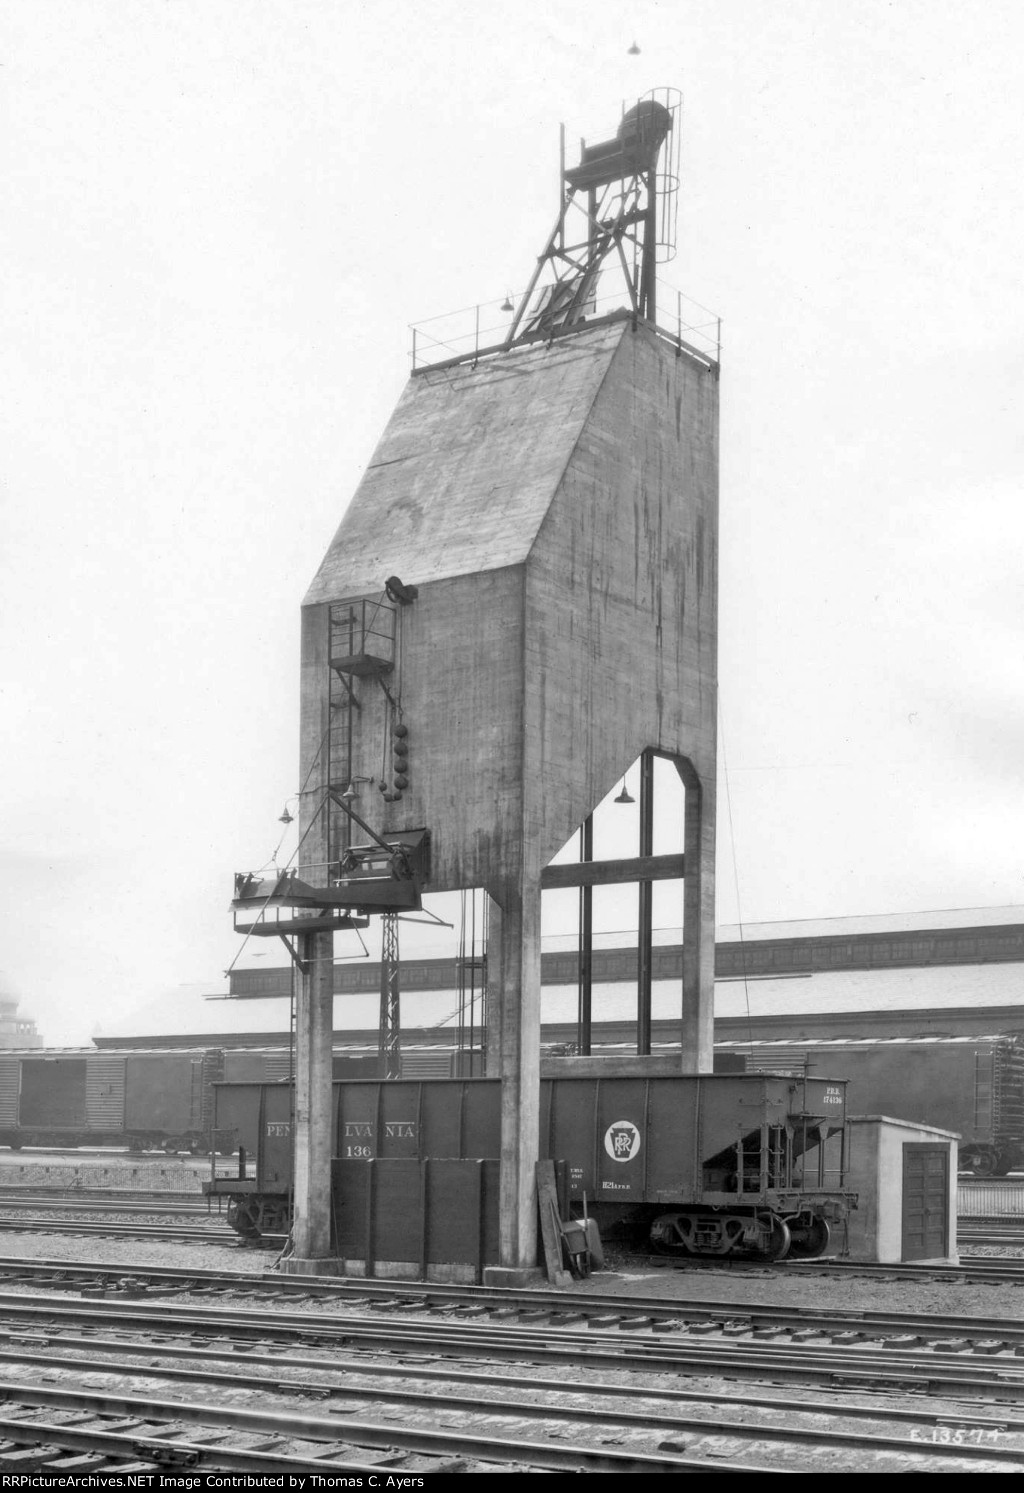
x=479 y=331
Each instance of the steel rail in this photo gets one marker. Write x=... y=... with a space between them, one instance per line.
x=861 y=1365
x=980 y=1269
x=969 y=1265
x=86 y=1228
x=436 y=1296
x=451 y=1373
x=339 y=1428
x=70 y=1190
x=170 y=1456
x=611 y=1418
x=46 y=1202
x=661 y=1322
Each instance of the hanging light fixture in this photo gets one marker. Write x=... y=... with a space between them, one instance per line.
x=506 y=304
x=625 y=797
x=352 y=792
x=634 y=51
x=284 y=817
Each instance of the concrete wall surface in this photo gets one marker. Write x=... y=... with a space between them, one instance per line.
x=466 y=468
x=557 y=508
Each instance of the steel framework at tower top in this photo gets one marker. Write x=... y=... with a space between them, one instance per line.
x=626 y=190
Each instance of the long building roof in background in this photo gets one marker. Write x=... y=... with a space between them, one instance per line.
x=811 y=998
x=809 y=973
x=872 y=923
x=839 y=943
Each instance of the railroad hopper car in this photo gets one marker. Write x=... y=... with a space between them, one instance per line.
x=711 y=1164
x=971 y=1085
x=135 y=1100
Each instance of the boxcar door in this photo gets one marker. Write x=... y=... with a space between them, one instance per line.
x=925 y=1201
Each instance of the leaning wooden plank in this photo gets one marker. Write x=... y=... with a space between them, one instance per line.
x=547 y=1204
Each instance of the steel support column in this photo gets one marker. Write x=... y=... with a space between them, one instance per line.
x=389 y=1039
x=492 y=997
x=586 y=945
x=645 y=916
x=698 y=1006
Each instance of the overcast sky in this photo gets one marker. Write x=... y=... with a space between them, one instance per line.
x=219 y=220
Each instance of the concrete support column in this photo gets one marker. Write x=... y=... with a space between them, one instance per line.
x=698 y=1015
x=314 y=1035
x=518 y=1016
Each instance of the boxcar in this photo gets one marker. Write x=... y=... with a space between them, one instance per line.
x=710 y=1164
x=971 y=1085
x=131 y=1099
x=274 y=1065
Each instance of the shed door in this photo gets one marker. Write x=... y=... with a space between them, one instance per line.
x=925 y=1201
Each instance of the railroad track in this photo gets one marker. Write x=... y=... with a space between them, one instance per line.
x=65 y=1201
x=109 y=1200
x=1002 y=1231
x=403 y=1387
x=591 y=1313
x=216 y=1232
x=972 y=1269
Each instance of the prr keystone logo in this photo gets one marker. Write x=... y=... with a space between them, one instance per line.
x=622 y=1140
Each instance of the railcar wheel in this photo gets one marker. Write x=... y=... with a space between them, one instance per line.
x=780 y=1240
x=808 y=1238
